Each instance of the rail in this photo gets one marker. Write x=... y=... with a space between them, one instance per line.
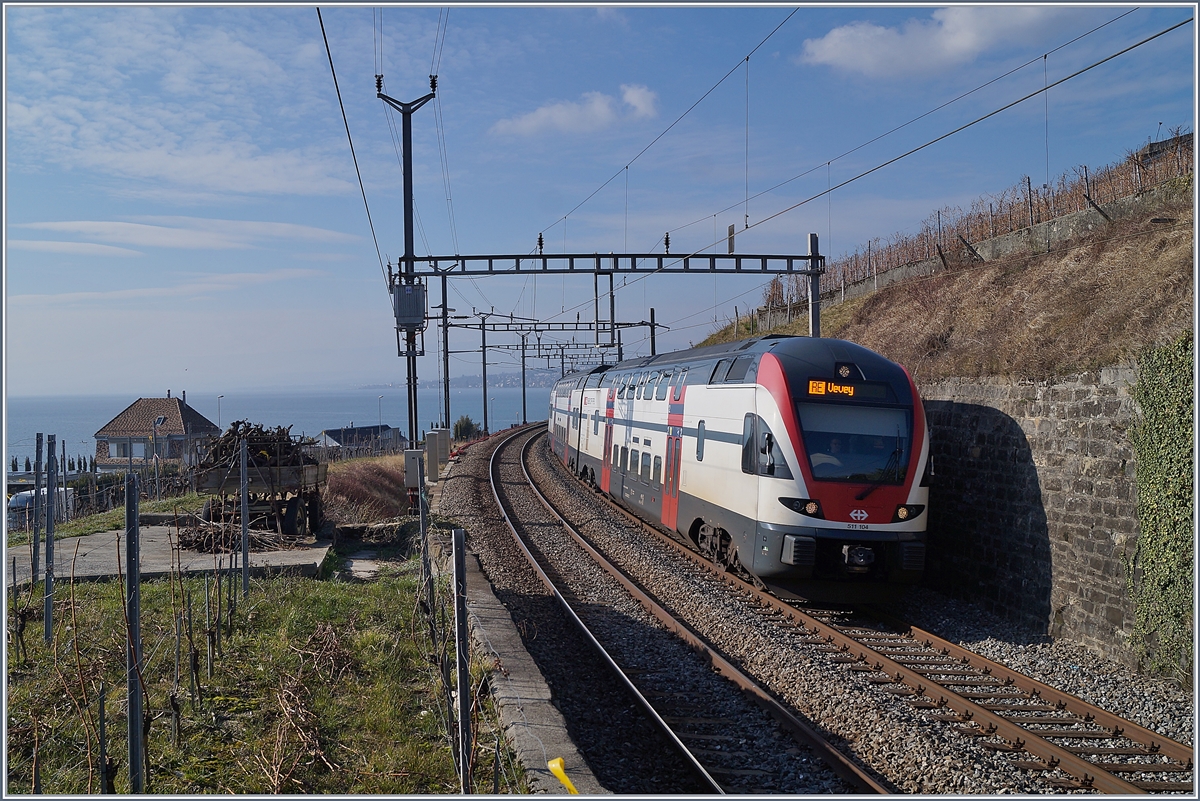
x=842 y=765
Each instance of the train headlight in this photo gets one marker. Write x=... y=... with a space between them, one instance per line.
x=907 y=512
x=805 y=506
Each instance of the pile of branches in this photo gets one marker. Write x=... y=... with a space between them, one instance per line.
x=227 y=538
x=266 y=447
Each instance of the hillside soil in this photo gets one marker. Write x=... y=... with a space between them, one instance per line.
x=1094 y=302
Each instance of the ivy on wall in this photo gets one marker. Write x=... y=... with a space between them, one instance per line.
x=1159 y=574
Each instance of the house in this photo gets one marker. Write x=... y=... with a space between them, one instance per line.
x=180 y=435
x=386 y=437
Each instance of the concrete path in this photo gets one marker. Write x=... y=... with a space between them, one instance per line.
x=97 y=556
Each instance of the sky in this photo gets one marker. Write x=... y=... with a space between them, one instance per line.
x=182 y=208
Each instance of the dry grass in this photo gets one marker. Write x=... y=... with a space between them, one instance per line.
x=364 y=491
x=1092 y=303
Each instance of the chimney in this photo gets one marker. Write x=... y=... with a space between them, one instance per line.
x=185 y=397
x=168 y=393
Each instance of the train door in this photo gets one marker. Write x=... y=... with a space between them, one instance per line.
x=670 y=505
x=606 y=458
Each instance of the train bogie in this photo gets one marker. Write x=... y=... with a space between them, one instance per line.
x=802 y=461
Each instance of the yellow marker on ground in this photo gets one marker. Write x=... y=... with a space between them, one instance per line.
x=556 y=767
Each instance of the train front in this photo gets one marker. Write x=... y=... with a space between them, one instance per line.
x=851 y=523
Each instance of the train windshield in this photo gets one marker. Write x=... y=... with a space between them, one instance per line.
x=856 y=443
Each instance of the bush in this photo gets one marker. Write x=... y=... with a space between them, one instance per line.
x=465 y=429
x=1160 y=573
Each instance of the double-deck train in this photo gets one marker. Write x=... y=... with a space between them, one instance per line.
x=804 y=461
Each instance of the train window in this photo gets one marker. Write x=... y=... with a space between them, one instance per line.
x=646 y=466
x=749 y=445
x=664 y=386
x=856 y=443
x=657 y=470
x=616 y=456
x=596 y=421
x=718 y=373
x=642 y=385
x=680 y=380
x=624 y=458
x=633 y=462
x=737 y=370
x=700 y=441
x=770 y=457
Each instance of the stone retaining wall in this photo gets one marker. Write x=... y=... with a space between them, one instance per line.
x=1033 y=504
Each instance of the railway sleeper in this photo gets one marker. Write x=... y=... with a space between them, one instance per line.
x=1164 y=787
x=1012 y=708
x=1140 y=767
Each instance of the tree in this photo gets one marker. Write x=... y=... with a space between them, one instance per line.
x=465 y=428
x=14 y=467
x=28 y=466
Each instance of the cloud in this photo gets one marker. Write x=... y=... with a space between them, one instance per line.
x=211 y=283
x=641 y=98
x=74 y=248
x=954 y=36
x=595 y=111
x=202 y=103
x=182 y=233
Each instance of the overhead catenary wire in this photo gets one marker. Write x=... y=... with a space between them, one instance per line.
x=666 y=130
x=927 y=144
x=345 y=121
x=903 y=125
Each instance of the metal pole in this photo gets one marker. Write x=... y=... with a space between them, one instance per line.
x=483 y=350
x=814 y=287
x=51 y=492
x=245 y=493
x=62 y=468
x=596 y=302
x=612 y=311
x=37 y=512
x=461 y=655
x=445 y=355
x=524 y=418
x=133 y=649
x=653 y=352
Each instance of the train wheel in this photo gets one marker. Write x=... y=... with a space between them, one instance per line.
x=716 y=545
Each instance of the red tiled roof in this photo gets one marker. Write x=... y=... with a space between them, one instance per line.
x=138 y=420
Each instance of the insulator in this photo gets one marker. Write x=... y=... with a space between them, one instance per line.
x=378 y=83
x=433 y=83
x=541 y=243
x=667 y=242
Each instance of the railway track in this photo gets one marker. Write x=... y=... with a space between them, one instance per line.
x=710 y=722
x=1068 y=742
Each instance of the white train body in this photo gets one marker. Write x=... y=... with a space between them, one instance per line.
x=806 y=461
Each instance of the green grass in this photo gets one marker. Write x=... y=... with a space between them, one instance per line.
x=325 y=687
x=113 y=519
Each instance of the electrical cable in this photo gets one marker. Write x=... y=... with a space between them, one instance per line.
x=918 y=118
x=672 y=125
x=357 y=172
x=927 y=144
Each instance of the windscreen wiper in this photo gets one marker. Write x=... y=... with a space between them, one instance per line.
x=893 y=465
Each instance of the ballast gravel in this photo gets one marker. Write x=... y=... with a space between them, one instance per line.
x=907 y=748
x=916 y=752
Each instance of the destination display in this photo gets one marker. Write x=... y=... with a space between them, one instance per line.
x=818 y=387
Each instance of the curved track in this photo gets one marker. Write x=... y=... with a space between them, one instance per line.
x=700 y=728
x=1073 y=744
